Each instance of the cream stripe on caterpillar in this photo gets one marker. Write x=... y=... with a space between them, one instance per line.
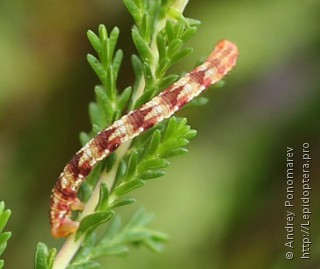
x=64 y=194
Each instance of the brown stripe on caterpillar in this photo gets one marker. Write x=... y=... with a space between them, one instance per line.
x=138 y=121
x=77 y=166
x=174 y=99
x=64 y=194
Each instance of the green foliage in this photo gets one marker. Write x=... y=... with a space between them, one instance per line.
x=44 y=257
x=117 y=238
x=159 y=34
x=147 y=159
x=4 y=236
x=110 y=104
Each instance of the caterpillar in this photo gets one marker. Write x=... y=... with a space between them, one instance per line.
x=64 y=194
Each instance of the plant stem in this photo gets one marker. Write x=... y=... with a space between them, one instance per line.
x=70 y=247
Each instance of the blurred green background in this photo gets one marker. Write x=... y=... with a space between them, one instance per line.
x=223 y=203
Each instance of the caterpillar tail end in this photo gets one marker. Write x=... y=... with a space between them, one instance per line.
x=64 y=228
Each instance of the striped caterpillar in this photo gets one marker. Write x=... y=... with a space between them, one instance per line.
x=64 y=194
